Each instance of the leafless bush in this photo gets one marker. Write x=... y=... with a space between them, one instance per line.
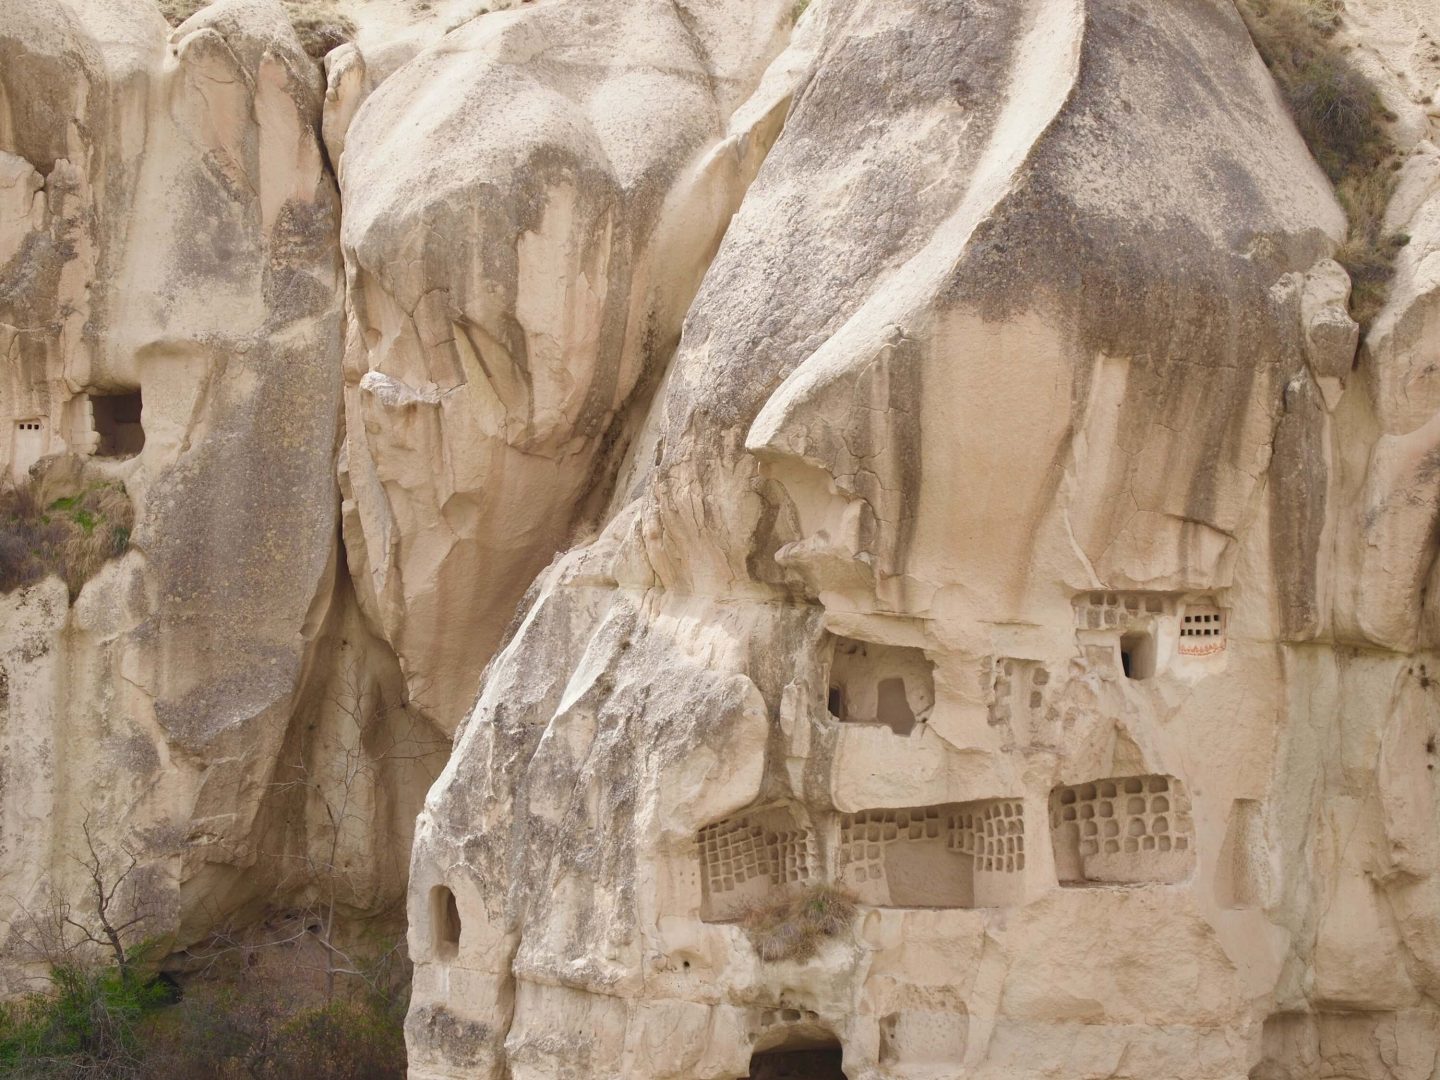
x=326 y=787
x=84 y=1022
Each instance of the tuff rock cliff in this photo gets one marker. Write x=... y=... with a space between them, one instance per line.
x=919 y=447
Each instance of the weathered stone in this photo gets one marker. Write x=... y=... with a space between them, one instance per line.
x=977 y=586
x=171 y=308
x=523 y=237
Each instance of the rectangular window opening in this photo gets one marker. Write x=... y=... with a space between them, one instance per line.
x=117 y=422
x=1137 y=655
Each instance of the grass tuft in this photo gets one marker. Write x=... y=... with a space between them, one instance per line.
x=44 y=532
x=1344 y=122
x=319 y=24
x=792 y=927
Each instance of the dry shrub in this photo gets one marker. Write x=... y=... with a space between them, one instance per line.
x=95 y=1022
x=793 y=926
x=61 y=522
x=1336 y=108
x=1343 y=121
x=251 y=1030
x=319 y=24
x=1369 y=251
x=177 y=11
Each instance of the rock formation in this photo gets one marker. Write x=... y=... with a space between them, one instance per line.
x=172 y=309
x=515 y=287
x=988 y=551
x=930 y=453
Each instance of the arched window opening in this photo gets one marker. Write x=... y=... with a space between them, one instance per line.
x=445 y=918
x=886 y=685
x=1137 y=655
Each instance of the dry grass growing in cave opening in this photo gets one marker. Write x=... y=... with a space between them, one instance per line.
x=319 y=24
x=69 y=527
x=1343 y=121
x=792 y=927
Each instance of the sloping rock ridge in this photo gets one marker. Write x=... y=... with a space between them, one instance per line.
x=871 y=521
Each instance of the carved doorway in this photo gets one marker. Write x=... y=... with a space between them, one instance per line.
x=811 y=1063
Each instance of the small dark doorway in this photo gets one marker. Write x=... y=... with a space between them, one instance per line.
x=1137 y=655
x=117 y=422
x=817 y=1064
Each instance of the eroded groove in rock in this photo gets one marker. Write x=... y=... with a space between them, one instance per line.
x=516 y=289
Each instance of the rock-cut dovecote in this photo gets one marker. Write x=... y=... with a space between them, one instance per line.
x=987 y=552
x=910 y=458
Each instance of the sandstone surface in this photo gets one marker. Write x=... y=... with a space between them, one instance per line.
x=994 y=530
x=914 y=447
x=530 y=204
x=172 y=311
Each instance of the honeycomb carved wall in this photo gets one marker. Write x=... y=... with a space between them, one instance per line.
x=1019 y=704
x=957 y=855
x=1117 y=610
x=749 y=858
x=1202 y=630
x=1122 y=830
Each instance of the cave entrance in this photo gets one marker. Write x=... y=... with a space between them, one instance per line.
x=117 y=422
x=799 y=1059
x=797 y=1065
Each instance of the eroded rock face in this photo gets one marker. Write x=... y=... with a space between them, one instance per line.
x=530 y=204
x=970 y=492
x=1040 y=372
x=1388 y=559
x=1373 y=834
x=171 y=311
